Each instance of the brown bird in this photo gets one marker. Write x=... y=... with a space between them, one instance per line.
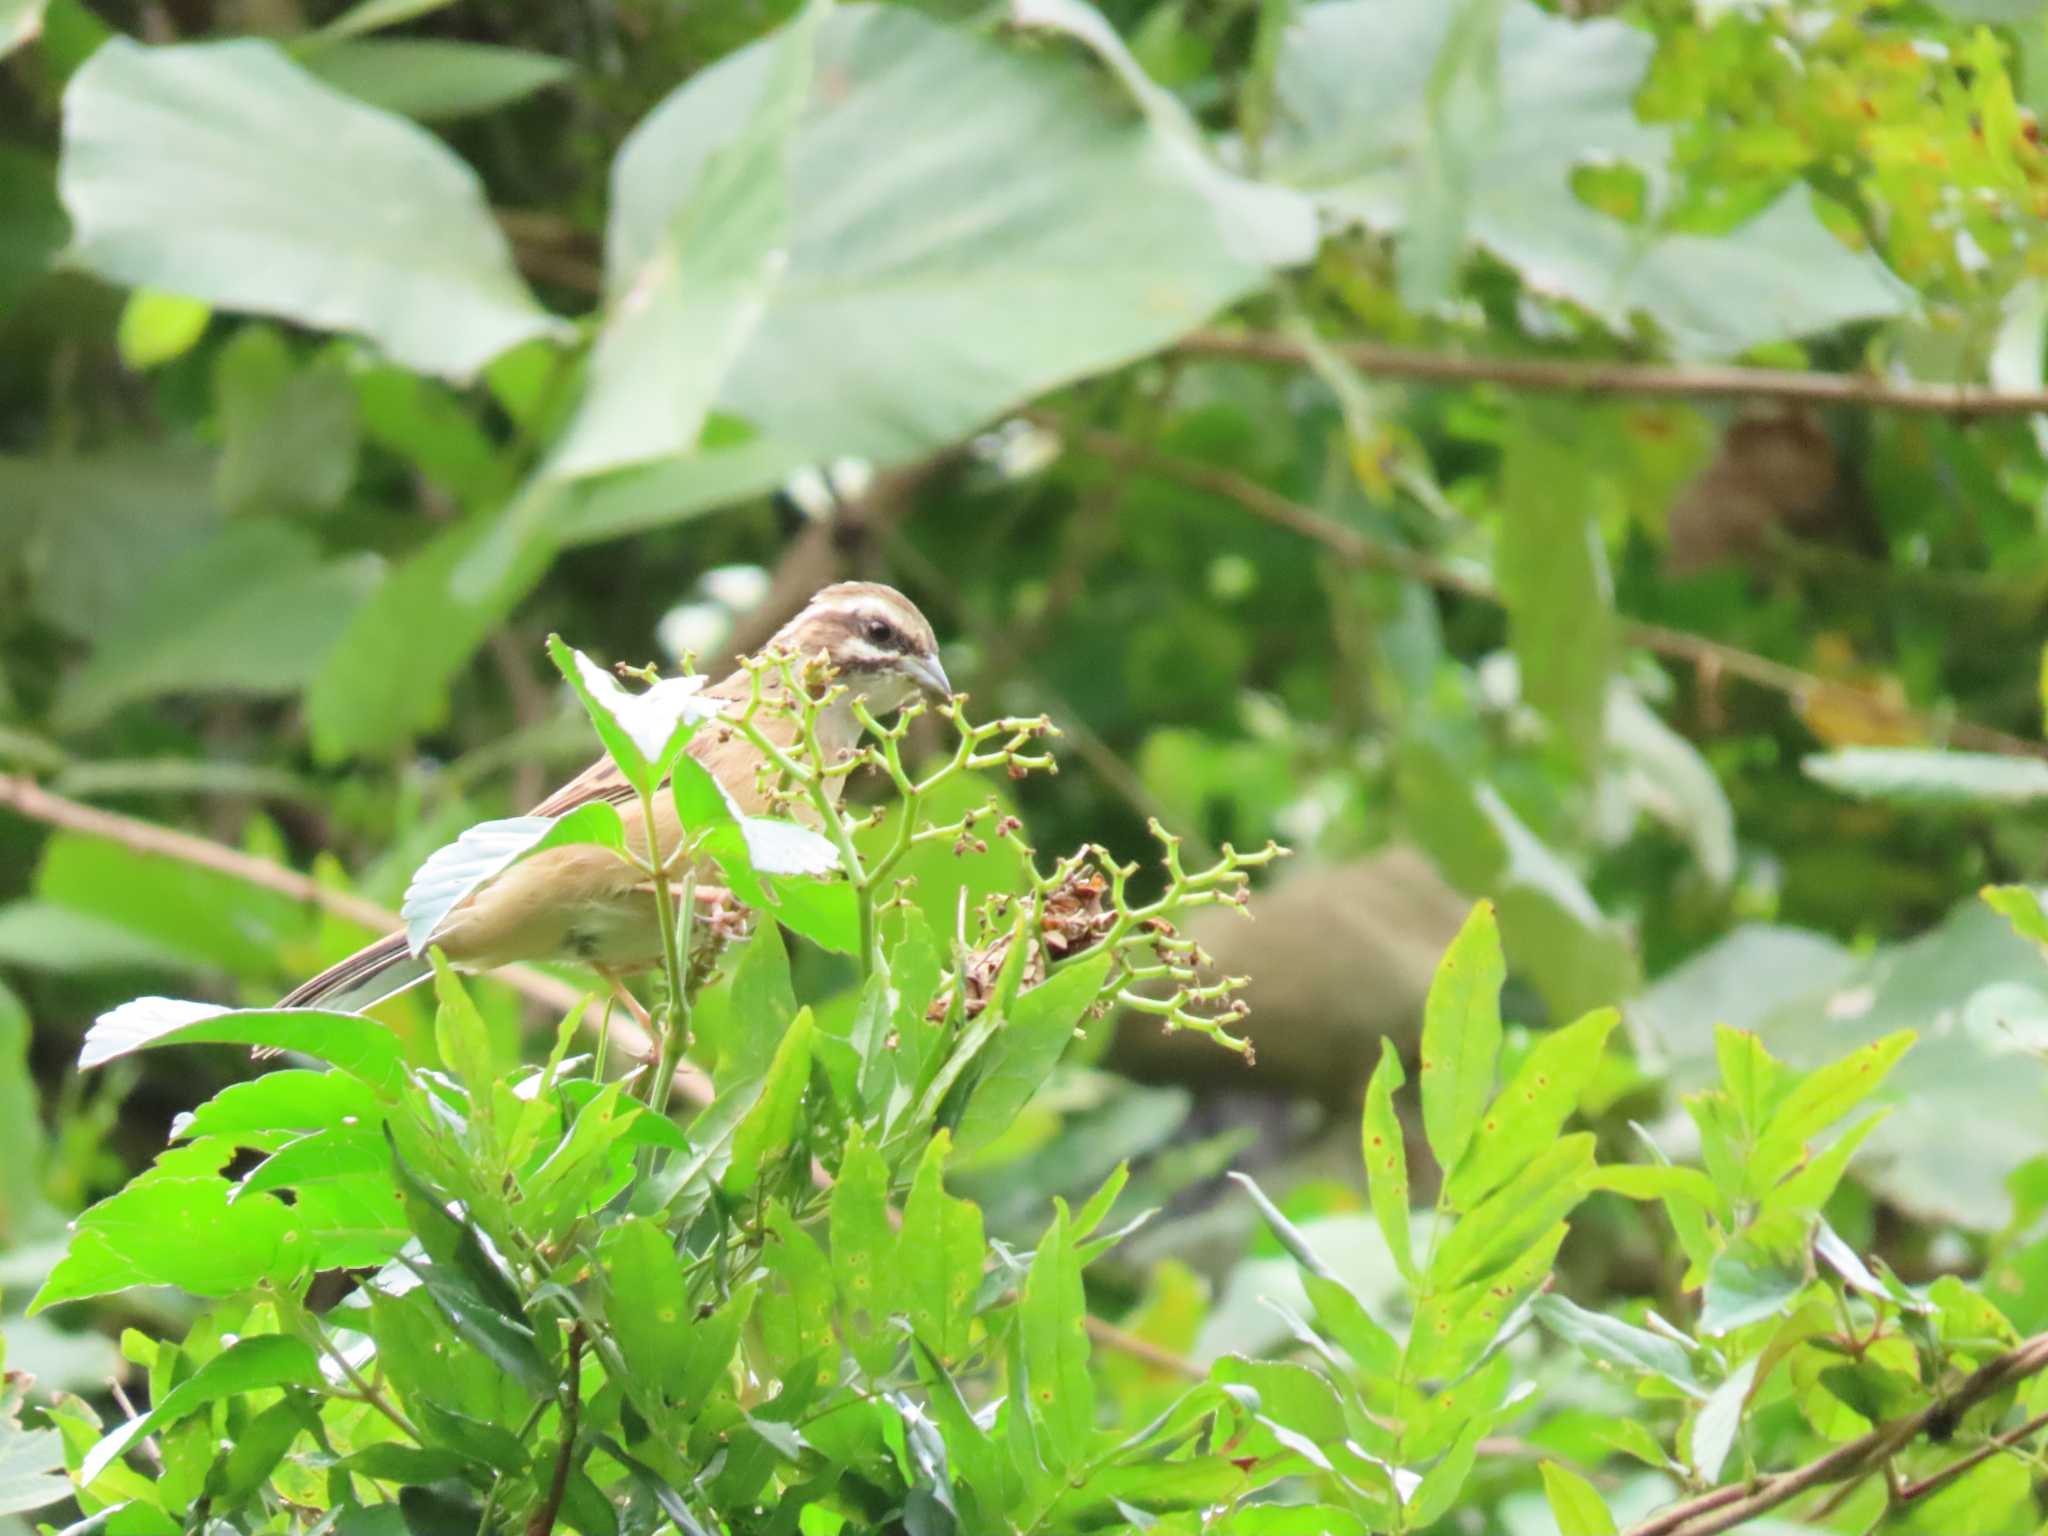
x=582 y=902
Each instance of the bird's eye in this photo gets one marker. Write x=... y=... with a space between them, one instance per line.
x=876 y=630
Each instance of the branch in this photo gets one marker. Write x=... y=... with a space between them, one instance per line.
x=1643 y=379
x=543 y=1520
x=27 y=798
x=1356 y=547
x=1726 y=1508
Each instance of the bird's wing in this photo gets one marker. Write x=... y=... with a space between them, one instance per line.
x=600 y=781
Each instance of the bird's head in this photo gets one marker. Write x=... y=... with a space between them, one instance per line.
x=875 y=638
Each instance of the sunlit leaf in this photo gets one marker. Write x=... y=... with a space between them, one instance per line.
x=176 y=161
x=358 y=1046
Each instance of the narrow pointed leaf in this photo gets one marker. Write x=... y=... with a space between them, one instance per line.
x=1461 y=1036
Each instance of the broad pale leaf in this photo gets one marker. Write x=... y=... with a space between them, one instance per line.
x=971 y=223
x=253 y=610
x=1355 y=81
x=679 y=316
x=224 y=172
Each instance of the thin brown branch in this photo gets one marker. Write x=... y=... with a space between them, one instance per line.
x=1359 y=548
x=1561 y=376
x=544 y=1517
x=1726 y=1508
x=25 y=797
x=1906 y=1493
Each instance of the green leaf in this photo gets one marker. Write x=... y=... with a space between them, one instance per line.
x=157 y=328
x=1533 y=1107
x=177 y=162
x=289 y=430
x=1053 y=1318
x=1552 y=568
x=1575 y=1504
x=1027 y=1046
x=387 y=677
x=31 y=1465
x=1386 y=1158
x=1354 y=85
x=266 y=1360
x=1461 y=1036
x=462 y=1038
x=942 y=1257
x=170 y=1228
x=1285 y=1231
x=796 y=1320
x=1455 y=1329
x=1714 y=1430
x=763 y=1003
x=645 y=1302
x=254 y=610
x=2021 y=907
x=1344 y=1318
x=1442 y=1483
x=770 y=1125
x=1749 y=1074
x=433 y=79
x=361 y=1047
x=644 y=732
x=865 y=1261
x=686 y=303
x=1746 y=1284
x=1550 y=1184
x=1817 y=1101
x=1924 y=776
x=1617 y=1343
x=487 y=850
x=259 y=1448
x=915 y=309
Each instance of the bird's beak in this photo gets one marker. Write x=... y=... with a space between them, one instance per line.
x=929 y=675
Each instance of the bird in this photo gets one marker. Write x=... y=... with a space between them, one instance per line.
x=583 y=903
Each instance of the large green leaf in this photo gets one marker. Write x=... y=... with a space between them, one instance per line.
x=224 y=172
x=970 y=225
x=1355 y=81
x=387 y=678
x=680 y=313
x=942 y=1257
x=253 y=610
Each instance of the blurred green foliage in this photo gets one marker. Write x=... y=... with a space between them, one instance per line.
x=346 y=352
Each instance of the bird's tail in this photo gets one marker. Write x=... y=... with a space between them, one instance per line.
x=383 y=969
